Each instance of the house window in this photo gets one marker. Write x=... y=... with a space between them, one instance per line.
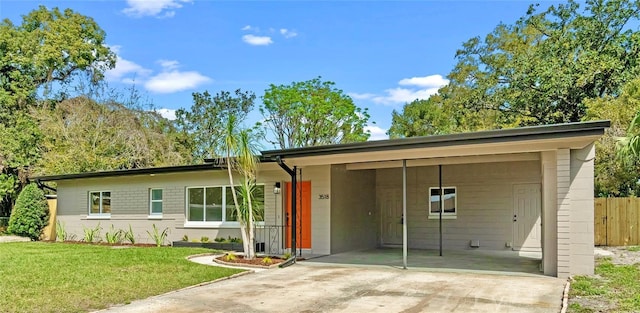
x=215 y=204
x=155 y=201
x=449 y=202
x=100 y=203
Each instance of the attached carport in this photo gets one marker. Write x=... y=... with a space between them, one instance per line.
x=556 y=162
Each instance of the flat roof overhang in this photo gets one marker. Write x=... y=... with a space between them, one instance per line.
x=494 y=142
x=209 y=165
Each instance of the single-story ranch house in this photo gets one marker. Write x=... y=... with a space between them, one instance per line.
x=523 y=189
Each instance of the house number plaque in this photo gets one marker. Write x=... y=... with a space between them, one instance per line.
x=323 y=196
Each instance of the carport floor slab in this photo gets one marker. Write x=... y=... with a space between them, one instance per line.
x=500 y=262
x=305 y=288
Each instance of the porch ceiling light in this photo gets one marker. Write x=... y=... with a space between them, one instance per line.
x=276 y=188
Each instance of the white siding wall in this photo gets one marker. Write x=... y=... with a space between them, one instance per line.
x=130 y=202
x=320 y=177
x=485 y=202
x=563 y=212
x=581 y=227
x=549 y=213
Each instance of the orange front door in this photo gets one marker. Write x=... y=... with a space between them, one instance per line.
x=303 y=209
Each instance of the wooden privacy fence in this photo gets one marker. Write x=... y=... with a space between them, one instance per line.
x=617 y=221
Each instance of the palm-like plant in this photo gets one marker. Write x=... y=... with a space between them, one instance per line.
x=240 y=155
x=629 y=146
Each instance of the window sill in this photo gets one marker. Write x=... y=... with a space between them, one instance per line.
x=155 y=217
x=99 y=217
x=444 y=217
x=215 y=224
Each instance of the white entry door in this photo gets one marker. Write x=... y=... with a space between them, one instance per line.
x=527 y=229
x=391 y=208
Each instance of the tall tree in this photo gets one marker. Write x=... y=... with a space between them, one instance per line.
x=49 y=46
x=542 y=68
x=311 y=113
x=205 y=122
x=617 y=174
x=81 y=135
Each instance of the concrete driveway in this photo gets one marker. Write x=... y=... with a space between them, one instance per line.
x=314 y=288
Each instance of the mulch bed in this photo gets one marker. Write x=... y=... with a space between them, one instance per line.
x=144 y=245
x=257 y=261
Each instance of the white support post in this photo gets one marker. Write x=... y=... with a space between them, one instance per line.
x=404 y=214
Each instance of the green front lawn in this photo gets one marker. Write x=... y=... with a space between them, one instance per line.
x=615 y=288
x=57 y=277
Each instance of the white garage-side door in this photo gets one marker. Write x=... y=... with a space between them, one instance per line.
x=527 y=227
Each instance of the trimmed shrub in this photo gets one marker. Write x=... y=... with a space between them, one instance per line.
x=30 y=214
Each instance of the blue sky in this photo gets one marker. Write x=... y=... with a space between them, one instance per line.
x=383 y=54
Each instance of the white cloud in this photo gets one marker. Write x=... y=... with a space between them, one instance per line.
x=376 y=132
x=169 y=64
x=413 y=88
x=257 y=40
x=431 y=81
x=248 y=27
x=171 y=81
x=157 y=8
x=404 y=95
x=360 y=96
x=125 y=70
x=288 y=33
x=169 y=114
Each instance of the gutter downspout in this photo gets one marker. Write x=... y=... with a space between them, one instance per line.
x=294 y=193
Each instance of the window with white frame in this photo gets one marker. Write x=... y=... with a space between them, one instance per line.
x=449 y=201
x=215 y=204
x=100 y=203
x=155 y=201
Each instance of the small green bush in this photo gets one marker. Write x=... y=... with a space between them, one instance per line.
x=219 y=239
x=267 y=261
x=185 y=238
x=30 y=214
x=129 y=236
x=204 y=239
x=92 y=234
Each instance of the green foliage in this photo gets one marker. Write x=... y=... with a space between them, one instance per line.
x=91 y=234
x=185 y=238
x=113 y=235
x=204 y=239
x=421 y=118
x=311 y=113
x=219 y=239
x=542 y=68
x=287 y=256
x=158 y=236
x=129 y=236
x=204 y=125
x=31 y=213
x=267 y=261
x=61 y=231
x=49 y=46
x=19 y=148
x=633 y=248
x=124 y=138
x=616 y=174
